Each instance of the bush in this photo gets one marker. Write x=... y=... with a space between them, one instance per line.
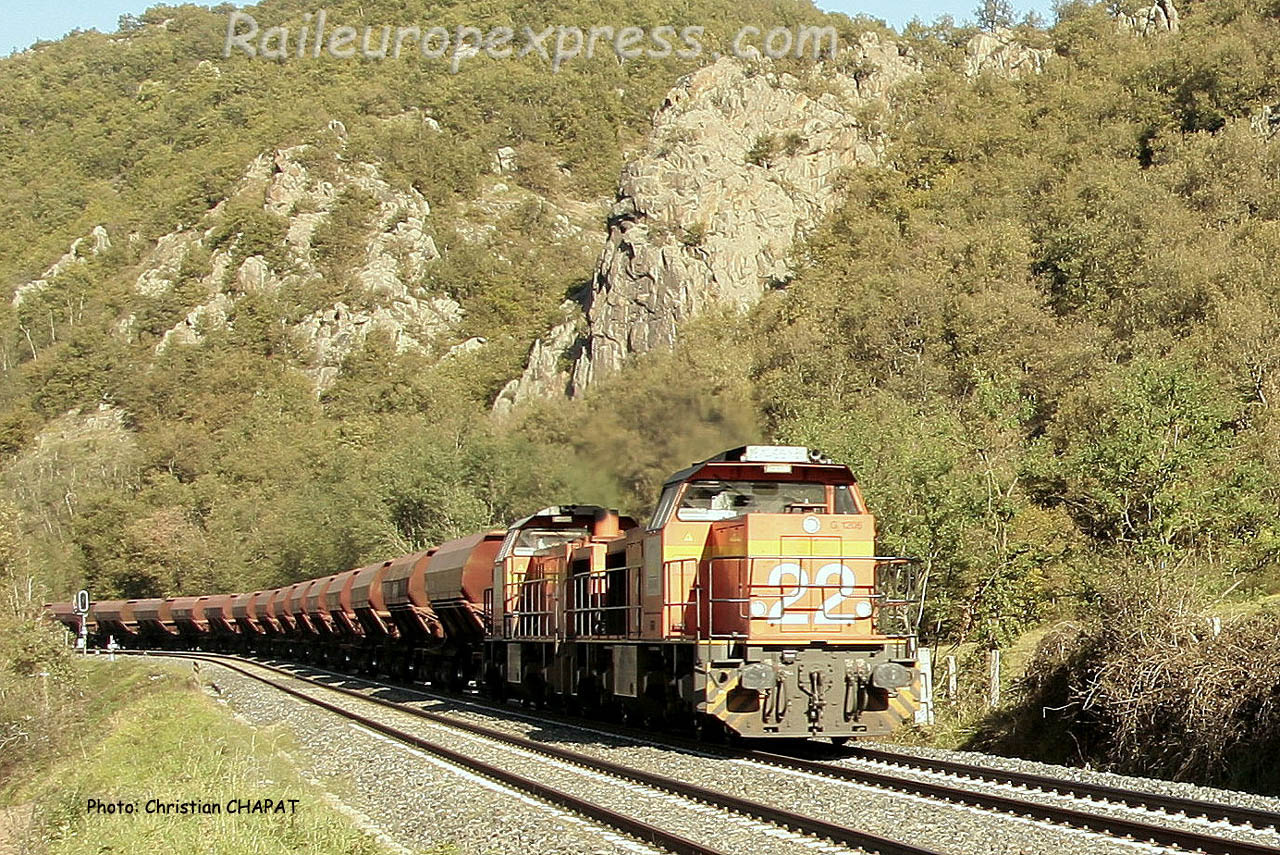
x=763 y=151
x=1150 y=688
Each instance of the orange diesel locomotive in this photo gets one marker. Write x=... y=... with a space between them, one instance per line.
x=751 y=602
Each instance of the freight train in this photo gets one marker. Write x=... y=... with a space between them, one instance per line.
x=751 y=603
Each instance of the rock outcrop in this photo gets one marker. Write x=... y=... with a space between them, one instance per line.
x=94 y=243
x=1160 y=17
x=410 y=323
x=386 y=295
x=545 y=375
x=206 y=316
x=1265 y=120
x=741 y=161
x=160 y=266
x=504 y=160
x=1000 y=52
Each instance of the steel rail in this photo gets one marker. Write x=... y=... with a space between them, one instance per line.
x=768 y=813
x=1140 y=830
x=1173 y=805
x=1077 y=818
x=1195 y=841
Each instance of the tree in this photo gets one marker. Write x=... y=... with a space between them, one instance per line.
x=994 y=14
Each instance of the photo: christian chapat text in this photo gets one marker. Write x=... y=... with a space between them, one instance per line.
x=284 y=807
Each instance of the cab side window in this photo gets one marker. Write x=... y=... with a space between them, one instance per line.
x=666 y=505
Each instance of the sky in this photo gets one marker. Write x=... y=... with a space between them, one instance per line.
x=23 y=22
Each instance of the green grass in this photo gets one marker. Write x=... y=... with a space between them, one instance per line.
x=155 y=735
x=967 y=721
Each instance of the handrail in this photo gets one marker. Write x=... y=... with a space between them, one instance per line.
x=723 y=597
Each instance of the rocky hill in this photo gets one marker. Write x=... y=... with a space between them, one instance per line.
x=742 y=161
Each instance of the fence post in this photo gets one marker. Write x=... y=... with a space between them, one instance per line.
x=953 y=678
x=994 y=696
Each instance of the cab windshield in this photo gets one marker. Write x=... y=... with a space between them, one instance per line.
x=529 y=540
x=721 y=500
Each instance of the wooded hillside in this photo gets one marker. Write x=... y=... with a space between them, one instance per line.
x=1043 y=330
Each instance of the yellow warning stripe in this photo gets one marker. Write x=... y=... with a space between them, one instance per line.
x=904 y=703
x=718 y=695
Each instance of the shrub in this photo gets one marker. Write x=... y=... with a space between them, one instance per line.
x=764 y=150
x=1152 y=687
x=695 y=234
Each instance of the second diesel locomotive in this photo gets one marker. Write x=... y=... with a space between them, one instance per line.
x=752 y=601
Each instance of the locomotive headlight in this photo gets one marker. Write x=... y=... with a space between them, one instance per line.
x=758 y=676
x=890 y=675
x=862 y=609
x=811 y=524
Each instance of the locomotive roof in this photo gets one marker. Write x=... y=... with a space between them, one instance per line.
x=795 y=455
x=590 y=511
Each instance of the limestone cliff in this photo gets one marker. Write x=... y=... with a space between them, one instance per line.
x=386 y=293
x=1001 y=52
x=94 y=243
x=741 y=161
x=1160 y=17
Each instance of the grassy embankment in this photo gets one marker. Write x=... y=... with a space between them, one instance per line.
x=141 y=731
x=966 y=719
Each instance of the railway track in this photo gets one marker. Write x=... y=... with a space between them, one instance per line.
x=1090 y=819
x=639 y=829
x=1098 y=795
x=1167 y=804
x=1087 y=818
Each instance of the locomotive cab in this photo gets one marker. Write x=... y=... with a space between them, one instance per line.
x=560 y=587
x=523 y=599
x=764 y=556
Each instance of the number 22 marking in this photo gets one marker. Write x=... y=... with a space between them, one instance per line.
x=835 y=575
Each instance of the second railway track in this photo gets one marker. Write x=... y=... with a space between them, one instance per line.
x=1164 y=803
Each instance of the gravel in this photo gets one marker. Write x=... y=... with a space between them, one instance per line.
x=418 y=801
x=913 y=819
x=477 y=817
x=702 y=823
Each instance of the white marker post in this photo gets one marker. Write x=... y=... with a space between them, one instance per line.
x=994 y=700
x=82 y=609
x=924 y=662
